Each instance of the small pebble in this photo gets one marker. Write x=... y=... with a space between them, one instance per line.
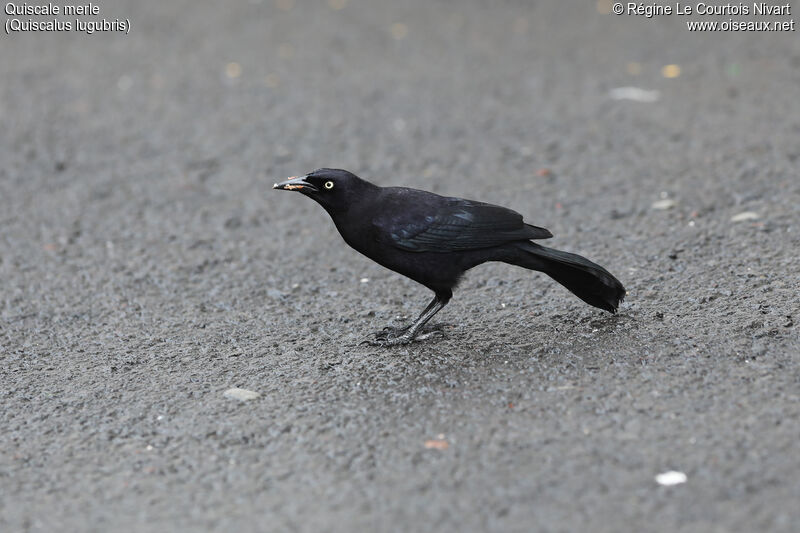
x=747 y=215
x=663 y=204
x=241 y=394
x=671 y=478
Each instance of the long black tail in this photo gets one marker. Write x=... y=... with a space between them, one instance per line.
x=588 y=281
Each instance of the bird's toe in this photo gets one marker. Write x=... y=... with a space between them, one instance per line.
x=389 y=337
x=384 y=342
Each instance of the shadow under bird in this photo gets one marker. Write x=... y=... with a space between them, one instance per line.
x=435 y=239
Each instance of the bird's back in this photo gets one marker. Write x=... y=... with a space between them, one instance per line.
x=430 y=238
x=421 y=221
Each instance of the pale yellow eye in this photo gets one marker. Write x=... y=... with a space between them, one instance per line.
x=329 y=185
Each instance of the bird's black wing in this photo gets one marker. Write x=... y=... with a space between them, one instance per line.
x=457 y=225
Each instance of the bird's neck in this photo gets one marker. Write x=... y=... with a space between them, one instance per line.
x=350 y=217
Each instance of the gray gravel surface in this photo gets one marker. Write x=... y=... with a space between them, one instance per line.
x=147 y=267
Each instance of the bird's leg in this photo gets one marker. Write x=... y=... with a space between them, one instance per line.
x=439 y=301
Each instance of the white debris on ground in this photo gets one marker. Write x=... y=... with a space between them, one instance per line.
x=747 y=215
x=634 y=93
x=670 y=478
x=663 y=204
x=243 y=395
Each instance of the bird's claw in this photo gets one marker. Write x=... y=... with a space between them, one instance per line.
x=389 y=341
x=392 y=336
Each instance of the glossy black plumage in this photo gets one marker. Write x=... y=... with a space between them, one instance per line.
x=434 y=240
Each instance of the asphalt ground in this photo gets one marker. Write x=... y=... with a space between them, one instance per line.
x=147 y=267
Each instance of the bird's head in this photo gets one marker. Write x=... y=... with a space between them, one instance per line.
x=333 y=189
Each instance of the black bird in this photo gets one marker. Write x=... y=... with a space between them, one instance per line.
x=435 y=239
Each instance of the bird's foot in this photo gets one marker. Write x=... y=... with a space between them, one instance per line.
x=381 y=340
x=392 y=336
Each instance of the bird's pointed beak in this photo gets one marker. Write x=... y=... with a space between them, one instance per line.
x=295 y=183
